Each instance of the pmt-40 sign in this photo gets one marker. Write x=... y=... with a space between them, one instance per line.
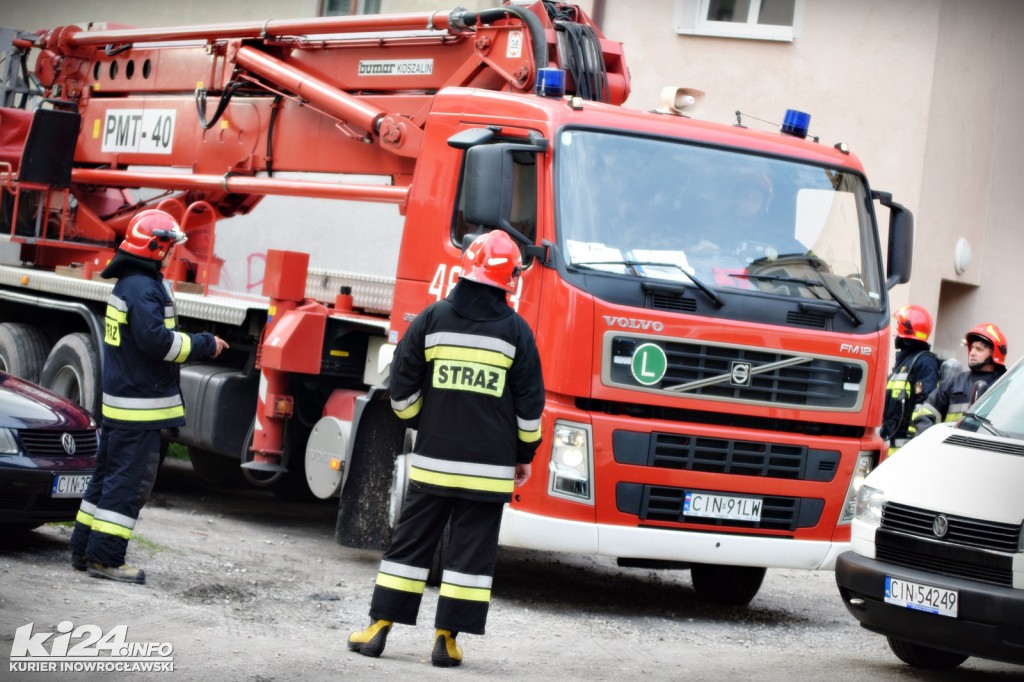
x=138 y=131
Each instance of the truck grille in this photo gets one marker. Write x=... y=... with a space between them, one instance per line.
x=724 y=456
x=945 y=558
x=662 y=503
x=999 y=537
x=740 y=373
x=47 y=443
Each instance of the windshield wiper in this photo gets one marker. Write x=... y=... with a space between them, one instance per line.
x=807 y=283
x=634 y=264
x=986 y=422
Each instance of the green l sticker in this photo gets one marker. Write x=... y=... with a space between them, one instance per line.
x=649 y=364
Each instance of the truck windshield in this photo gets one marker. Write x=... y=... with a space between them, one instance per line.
x=661 y=209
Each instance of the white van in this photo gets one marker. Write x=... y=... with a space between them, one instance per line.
x=937 y=560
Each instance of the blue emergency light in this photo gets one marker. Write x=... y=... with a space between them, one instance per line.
x=796 y=123
x=550 y=83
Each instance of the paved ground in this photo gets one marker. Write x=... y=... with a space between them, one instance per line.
x=247 y=587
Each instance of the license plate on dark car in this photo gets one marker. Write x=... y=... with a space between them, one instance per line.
x=70 y=485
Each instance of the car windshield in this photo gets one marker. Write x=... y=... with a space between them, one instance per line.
x=1002 y=407
x=657 y=208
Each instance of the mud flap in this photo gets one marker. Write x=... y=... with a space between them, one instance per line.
x=363 y=509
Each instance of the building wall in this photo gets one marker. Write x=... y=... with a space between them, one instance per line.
x=925 y=92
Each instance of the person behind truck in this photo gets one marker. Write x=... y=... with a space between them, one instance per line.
x=467 y=375
x=915 y=374
x=986 y=362
x=142 y=354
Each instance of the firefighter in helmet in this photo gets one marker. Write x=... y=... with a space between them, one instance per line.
x=915 y=374
x=986 y=361
x=143 y=350
x=467 y=376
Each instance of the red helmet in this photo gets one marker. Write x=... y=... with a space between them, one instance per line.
x=913 y=322
x=151 y=234
x=493 y=259
x=986 y=331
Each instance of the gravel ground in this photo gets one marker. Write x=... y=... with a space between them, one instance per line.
x=248 y=587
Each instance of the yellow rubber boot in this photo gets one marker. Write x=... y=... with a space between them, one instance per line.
x=446 y=653
x=371 y=641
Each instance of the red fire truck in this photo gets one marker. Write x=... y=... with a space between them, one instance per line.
x=709 y=300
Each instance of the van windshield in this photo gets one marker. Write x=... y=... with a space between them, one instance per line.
x=1003 y=405
x=663 y=209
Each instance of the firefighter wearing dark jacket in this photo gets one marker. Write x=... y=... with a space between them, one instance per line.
x=142 y=354
x=467 y=375
x=986 y=361
x=915 y=374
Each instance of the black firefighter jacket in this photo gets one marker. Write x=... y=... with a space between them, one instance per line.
x=144 y=350
x=467 y=375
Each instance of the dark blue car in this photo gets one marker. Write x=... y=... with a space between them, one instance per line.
x=47 y=455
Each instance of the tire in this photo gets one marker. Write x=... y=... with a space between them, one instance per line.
x=212 y=467
x=73 y=371
x=293 y=485
x=23 y=350
x=728 y=585
x=363 y=511
x=924 y=657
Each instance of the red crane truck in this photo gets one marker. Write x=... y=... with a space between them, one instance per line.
x=714 y=373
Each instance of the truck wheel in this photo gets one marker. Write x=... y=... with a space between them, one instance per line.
x=925 y=657
x=73 y=371
x=363 y=512
x=293 y=485
x=23 y=350
x=212 y=467
x=730 y=585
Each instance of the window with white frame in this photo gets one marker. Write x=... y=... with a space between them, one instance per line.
x=752 y=19
x=334 y=8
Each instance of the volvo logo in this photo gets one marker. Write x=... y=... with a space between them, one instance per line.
x=68 y=441
x=633 y=323
x=940 y=526
x=740 y=373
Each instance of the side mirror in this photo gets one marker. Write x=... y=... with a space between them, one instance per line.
x=488 y=184
x=901 y=241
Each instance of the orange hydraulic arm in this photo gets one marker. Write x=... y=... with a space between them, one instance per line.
x=232 y=104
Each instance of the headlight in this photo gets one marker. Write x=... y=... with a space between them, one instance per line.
x=865 y=463
x=869 y=505
x=8 y=444
x=571 y=462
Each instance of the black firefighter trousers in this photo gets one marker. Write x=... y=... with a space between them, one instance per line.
x=126 y=468
x=465 y=592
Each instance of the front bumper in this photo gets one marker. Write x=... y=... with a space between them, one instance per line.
x=26 y=497
x=532 y=531
x=989 y=623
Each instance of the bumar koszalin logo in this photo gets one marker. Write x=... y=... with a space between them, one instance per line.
x=87 y=648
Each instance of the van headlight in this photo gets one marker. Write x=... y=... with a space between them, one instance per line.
x=869 y=505
x=865 y=463
x=572 y=460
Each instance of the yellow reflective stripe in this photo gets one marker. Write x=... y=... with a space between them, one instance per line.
x=493 y=485
x=411 y=411
x=117 y=315
x=169 y=322
x=529 y=436
x=486 y=357
x=111 y=529
x=401 y=584
x=186 y=347
x=125 y=415
x=84 y=519
x=466 y=593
